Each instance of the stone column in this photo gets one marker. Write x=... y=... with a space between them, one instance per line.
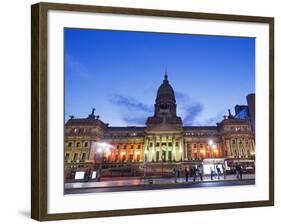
x=239 y=148
x=252 y=144
x=244 y=148
x=119 y=152
x=174 y=149
x=167 y=149
x=144 y=149
x=185 y=150
x=228 y=147
x=149 y=151
x=153 y=149
x=127 y=151
x=181 y=149
x=160 y=149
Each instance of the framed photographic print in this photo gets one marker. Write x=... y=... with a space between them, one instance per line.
x=141 y=111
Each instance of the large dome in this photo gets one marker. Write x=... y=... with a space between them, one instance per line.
x=165 y=91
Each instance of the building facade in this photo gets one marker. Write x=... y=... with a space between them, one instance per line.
x=163 y=139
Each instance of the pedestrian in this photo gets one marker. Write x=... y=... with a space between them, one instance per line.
x=237 y=171
x=240 y=173
x=186 y=174
x=218 y=171
x=212 y=173
x=175 y=173
x=224 y=173
x=191 y=172
x=194 y=173
x=200 y=172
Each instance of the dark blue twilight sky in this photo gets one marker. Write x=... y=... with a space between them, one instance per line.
x=118 y=73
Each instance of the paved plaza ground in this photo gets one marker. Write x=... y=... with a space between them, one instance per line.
x=133 y=183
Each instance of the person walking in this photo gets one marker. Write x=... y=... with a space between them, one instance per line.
x=240 y=172
x=175 y=173
x=212 y=173
x=237 y=171
x=200 y=172
x=218 y=171
x=223 y=170
x=186 y=174
x=194 y=173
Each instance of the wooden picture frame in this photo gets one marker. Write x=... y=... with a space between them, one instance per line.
x=39 y=110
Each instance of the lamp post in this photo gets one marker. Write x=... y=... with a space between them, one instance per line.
x=212 y=147
x=102 y=147
x=144 y=163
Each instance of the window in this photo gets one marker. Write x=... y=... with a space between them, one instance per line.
x=177 y=144
x=240 y=142
x=247 y=142
x=157 y=144
x=83 y=156
x=139 y=146
x=132 y=146
x=233 y=141
x=118 y=147
x=69 y=144
x=125 y=147
x=150 y=144
x=201 y=145
x=75 y=157
x=66 y=157
x=78 y=144
x=86 y=144
x=170 y=144
x=194 y=146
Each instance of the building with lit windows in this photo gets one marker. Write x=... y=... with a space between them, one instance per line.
x=163 y=140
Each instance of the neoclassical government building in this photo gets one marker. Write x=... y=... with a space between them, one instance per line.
x=163 y=139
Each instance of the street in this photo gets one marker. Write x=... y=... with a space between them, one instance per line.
x=153 y=184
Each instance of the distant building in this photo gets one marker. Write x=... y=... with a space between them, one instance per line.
x=163 y=139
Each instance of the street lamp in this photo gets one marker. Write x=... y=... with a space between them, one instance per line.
x=212 y=146
x=252 y=153
x=145 y=160
x=102 y=147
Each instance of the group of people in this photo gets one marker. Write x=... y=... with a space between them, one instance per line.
x=217 y=172
x=196 y=173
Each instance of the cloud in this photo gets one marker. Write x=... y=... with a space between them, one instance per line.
x=180 y=96
x=213 y=120
x=191 y=113
x=131 y=104
x=134 y=120
x=133 y=112
x=188 y=107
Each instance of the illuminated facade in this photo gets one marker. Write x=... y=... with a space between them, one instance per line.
x=163 y=139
